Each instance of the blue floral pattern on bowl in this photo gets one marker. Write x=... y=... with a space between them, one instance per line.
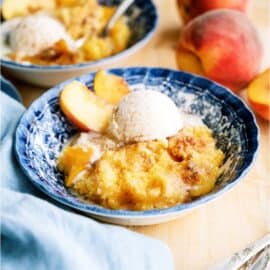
x=43 y=131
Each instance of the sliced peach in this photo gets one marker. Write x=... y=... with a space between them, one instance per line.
x=110 y=87
x=83 y=108
x=72 y=161
x=96 y=48
x=259 y=94
x=120 y=35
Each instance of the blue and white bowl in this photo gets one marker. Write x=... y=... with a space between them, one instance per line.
x=43 y=130
x=143 y=20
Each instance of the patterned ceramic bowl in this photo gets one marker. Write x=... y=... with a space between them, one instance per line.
x=143 y=20
x=43 y=130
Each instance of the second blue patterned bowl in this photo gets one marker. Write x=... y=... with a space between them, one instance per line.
x=142 y=18
x=43 y=131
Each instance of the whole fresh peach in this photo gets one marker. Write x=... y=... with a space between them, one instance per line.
x=222 y=45
x=190 y=9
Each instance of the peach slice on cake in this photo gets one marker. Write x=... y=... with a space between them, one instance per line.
x=259 y=94
x=73 y=160
x=110 y=87
x=83 y=108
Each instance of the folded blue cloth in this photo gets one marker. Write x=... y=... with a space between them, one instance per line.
x=8 y=88
x=37 y=234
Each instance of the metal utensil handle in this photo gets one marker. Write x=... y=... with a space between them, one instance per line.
x=119 y=11
x=239 y=258
x=261 y=261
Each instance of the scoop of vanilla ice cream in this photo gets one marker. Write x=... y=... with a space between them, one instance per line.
x=145 y=115
x=36 y=33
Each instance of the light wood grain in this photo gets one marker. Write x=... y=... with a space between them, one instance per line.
x=226 y=225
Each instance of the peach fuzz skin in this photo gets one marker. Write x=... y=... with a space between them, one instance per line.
x=190 y=9
x=225 y=46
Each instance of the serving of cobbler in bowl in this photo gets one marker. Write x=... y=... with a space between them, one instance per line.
x=47 y=42
x=136 y=146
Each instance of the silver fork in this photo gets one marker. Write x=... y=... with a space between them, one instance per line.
x=254 y=257
x=117 y=14
x=120 y=10
x=260 y=261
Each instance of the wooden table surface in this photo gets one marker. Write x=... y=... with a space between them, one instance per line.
x=210 y=233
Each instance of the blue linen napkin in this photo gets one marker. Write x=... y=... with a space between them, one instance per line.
x=8 y=88
x=40 y=235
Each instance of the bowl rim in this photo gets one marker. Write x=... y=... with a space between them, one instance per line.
x=127 y=214
x=106 y=60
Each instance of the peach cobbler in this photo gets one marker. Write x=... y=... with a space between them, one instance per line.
x=137 y=151
x=62 y=32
